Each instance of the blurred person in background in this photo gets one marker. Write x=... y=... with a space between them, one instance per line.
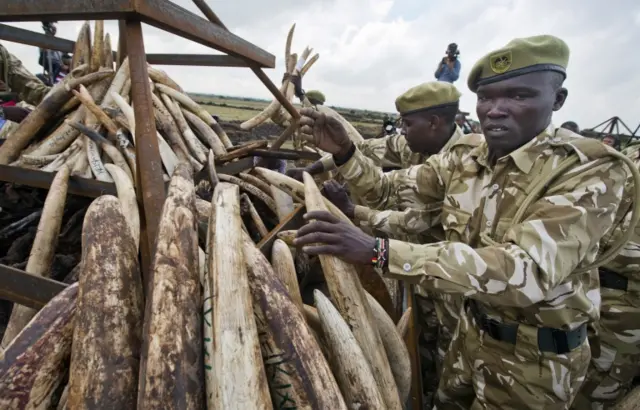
x=388 y=125
x=611 y=141
x=64 y=68
x=49 y=60
x=17 y=84
x=462 y=123
x=571 y=126
x=449 y=67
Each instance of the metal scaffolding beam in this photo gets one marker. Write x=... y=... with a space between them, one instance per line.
x=31 y=38
x=159 y=13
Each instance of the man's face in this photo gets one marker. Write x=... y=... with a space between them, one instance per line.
x=423 y=133
x=513 y=111
x=609 y=140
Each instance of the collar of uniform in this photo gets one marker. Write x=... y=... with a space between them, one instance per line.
x=523 y=157
x=455 y=137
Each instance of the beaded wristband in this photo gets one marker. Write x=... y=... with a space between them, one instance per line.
x=380 y=253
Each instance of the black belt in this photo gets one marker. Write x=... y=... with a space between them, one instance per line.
x=611 y=280
x=549 y=339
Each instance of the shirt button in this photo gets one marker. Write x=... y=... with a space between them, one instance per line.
x=406 y=267
x=488 y=224
x=495 y=187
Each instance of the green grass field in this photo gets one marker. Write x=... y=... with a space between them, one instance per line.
x=234 y=109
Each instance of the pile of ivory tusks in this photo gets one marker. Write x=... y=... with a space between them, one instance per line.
x=220 y=327
x=92 y=126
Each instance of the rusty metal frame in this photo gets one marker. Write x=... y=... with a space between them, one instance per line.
x=215 y=21
x=31 y=38
x=92 y=188
x=131 y=14
x=162 y=14
x=26 y=289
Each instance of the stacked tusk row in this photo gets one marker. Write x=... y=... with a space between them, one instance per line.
x=219 y=324
x=222 y=326
x=87 y=120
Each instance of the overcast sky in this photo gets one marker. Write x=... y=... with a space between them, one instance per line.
x=373 y=50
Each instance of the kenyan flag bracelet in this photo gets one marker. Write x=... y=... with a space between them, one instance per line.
x=380 y=257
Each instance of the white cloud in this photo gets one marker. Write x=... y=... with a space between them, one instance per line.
x=373 y=50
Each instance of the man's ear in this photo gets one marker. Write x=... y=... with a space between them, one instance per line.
x=434 y=121
x=561 y=97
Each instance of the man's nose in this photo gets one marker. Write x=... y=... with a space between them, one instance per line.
x=497 y=109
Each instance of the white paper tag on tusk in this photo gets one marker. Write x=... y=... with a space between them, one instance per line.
x=300 y=64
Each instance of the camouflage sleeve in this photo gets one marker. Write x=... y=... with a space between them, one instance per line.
x=560 y=233
x=384 y=152
x=411 y=221
x=21 y=81
x=412 y=187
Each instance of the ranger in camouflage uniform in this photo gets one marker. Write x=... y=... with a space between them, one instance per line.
x=393 y=151
x=616 y=362
x=14 y=77
x=521 y=342
x=428 y=112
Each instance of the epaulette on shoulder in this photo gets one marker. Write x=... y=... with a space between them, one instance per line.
x=471 y=140
x=587 y=149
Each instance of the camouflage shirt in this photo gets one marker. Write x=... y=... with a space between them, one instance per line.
x=527 y=275
x=14 y=77
x=392 y=151
x=627 y=262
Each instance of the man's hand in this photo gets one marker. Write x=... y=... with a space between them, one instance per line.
x=296 y=173
x=337 y=194
x=15 y=114
x=325 y=132
x=328 y=235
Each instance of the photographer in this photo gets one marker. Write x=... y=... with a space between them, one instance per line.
x=49 y=60
x=449 y=68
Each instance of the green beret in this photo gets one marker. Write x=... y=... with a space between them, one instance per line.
x=520 y=56
x=315 y=95
x=427 y=96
